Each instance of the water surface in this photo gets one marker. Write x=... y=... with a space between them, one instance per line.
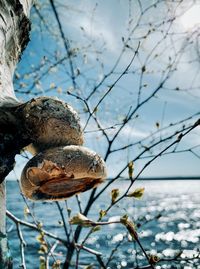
x=168 y=217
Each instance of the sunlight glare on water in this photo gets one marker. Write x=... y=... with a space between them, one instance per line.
x=168 y=216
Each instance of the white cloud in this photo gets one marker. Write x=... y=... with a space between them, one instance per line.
x=102 y=23
x=130 y=132
x=100 y=30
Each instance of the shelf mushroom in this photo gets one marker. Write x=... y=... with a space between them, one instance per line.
x=49 y=123
x=61 y=172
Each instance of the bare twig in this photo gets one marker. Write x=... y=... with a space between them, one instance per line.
x=63 y=220
x=51 y=251
x=34 y=227
x=65 y=42
x=22 y=246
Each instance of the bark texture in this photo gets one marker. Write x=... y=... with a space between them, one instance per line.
x=14 y=36
x=5 y=257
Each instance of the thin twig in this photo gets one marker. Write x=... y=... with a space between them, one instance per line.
x=34 y=227
x=63 y=220
x=22 y=246
x=113 y=85
x=49 y=254
x=65 y=42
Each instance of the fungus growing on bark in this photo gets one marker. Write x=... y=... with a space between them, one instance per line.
x=59 y=173
x=50 y=123
x=62 y=167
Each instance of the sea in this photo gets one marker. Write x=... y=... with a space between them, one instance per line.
x=166 y=218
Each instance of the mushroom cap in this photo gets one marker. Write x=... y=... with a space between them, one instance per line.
x=50 y=122
x=61 y=172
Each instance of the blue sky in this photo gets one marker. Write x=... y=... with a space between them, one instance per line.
x=97 y=32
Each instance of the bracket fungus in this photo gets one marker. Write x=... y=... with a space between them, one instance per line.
x=62 y=167
x=61 y=172
x=50 y=122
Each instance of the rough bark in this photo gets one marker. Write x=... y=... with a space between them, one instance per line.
x=12 y=140
x=5 y=257
x=14 y=36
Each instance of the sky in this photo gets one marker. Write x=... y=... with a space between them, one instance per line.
x=97 y=33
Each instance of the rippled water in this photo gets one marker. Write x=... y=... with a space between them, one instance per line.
x=168 y=217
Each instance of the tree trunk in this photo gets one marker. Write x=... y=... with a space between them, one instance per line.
x=5 y=257
x=14 y=36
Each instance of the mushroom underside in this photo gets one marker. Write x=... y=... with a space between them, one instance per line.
x=64 y=187
x=59 y=173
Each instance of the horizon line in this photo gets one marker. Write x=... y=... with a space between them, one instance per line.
x=151 y=178
x=169 y=178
